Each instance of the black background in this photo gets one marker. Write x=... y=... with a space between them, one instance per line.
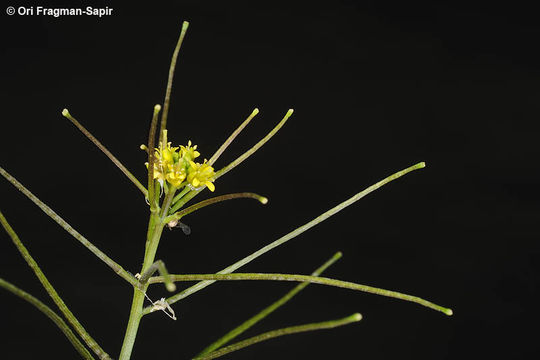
x=376 y=87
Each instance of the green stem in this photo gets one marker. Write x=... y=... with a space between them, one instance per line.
x=231 y=138
x=304 y=278
x=185 y=25
x=280 y=332
x=92 y=344
x=51 y=315
x=155 y=228
x=214 y=200
x=119 y=270
x=152 y=198
x=157 y=192
x=106 y=151
x=201 y=285
x=186 y=196
x=256 y=147
x=180 y=195
x=267 y=311
x=159 y=265
x=167 y=202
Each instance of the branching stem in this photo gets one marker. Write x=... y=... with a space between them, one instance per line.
x=159 y=265
x=304 y=278
x=155 y=228
x=201 y=285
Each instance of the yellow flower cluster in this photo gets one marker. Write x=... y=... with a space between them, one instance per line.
x=176 y=165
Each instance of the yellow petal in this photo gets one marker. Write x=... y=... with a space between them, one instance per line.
x=167 y=156
x=210 y=186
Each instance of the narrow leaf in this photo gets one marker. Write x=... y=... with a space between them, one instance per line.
x=231 y=138
x=306 y=278
x=106 y=151
x=267 y=311
x=53 y=215
x=51 y=315
x=172 y=67
x=280 y=332
x=92 y=344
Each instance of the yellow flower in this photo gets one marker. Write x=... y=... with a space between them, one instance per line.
x=176 y=165
x=189 y=153
x=201 y=174
x=176 y=174
x=164 y=159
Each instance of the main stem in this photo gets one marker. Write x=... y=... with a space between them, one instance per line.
x=155 y=227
